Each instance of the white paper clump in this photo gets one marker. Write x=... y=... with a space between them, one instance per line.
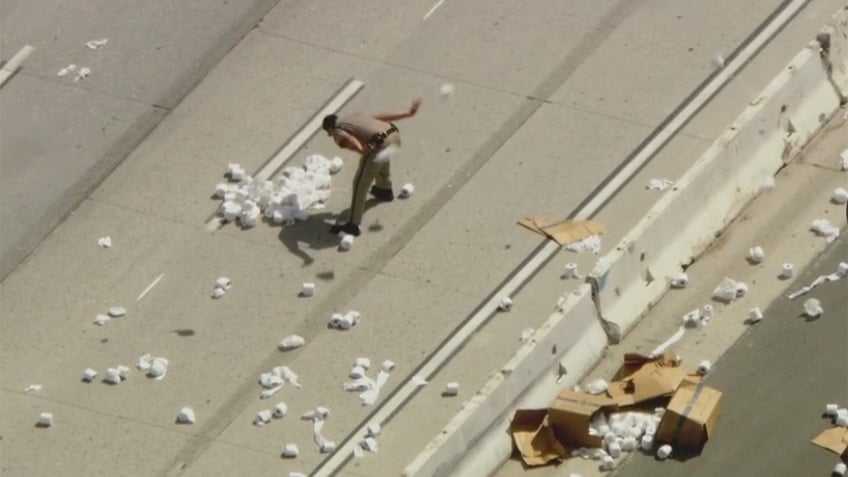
x=840 y=196
x=345 y=321
x=823 y=228
x=291 y=342
x=186 y=416
x=813 y=308
x=729 y=290
x=288 y=197
x=45 y=419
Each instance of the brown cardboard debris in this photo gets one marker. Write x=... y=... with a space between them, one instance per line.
x=834 y=439
x=534 y=438
x=642 y=378
x=571 y=413
x=690 y=417
x=563 y=232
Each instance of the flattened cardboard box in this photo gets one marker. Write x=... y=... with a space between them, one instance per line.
x=834 y=439
x=563 y=232
x=690 y=418
x=642 y=378
x=571 y=413
x=534 y=437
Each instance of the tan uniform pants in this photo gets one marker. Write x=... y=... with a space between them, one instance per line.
x=369 y=171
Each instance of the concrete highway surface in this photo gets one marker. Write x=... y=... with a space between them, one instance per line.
x=548 y=102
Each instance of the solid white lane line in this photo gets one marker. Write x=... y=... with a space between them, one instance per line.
x=437 y=5
x=150 y=287
x=397 y=400
x=14 y=63
x=295 y=143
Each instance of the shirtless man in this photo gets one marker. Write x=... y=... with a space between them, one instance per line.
x=374 y=138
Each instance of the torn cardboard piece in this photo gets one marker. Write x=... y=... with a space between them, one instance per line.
x=563 y=232
x=534 y=438
x=571 y=414
x=690 y=418
x=835 y=440
x=642 y=378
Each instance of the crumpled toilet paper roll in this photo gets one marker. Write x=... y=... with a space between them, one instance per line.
x=598 y=386
x=357 y=372
x=571 y=271
x=158 y=368
x=812 y=308
x=406 y=191
x=45 y=419
x=291 y=342
x=358 y=385
x=787 y=270
x=290 y=451
x=369 y=444
x=363 y=363
x=823 y=228
x=104 y=242
x=664 y=452
x=840 y=469
x=726 y=291
x=262 y=417
x=505 y=304
x=113 y=376
x=101 y=320
x=647 y=442
x=607 y=463
x=704 y=367
x=756 y=254
x=117 y=311
x=374 y=429
x=370 y=396
x=659 y=184
x=186 y=416
x=451 y=389
x=755 y=315
x=446 y=90
x=280 y=410
x=346 y=242
x=840 y=196
x=88 y=375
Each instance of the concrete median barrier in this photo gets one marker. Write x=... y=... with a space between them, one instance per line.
x=834 y=40
x=573 y=326
x=627 y=282
x=770 y=132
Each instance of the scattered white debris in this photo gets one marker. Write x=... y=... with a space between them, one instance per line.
x=787 y=270
x=186 y=416
x=708 y=312
x=297 y=474
x=113 y=376
x=419 y=381
x=704 y=367
x=756 y=254
x=101 y=320
x=571 y=271
x=505 y=304
x=158 y=368
x=82 y=73
x=694 y=318
x=719 y=61
x=387 y=366
x=288 y=197
x=123 y=372
x=268 y=393
x=369 y=444
x=598 y=386
x=218 y=293
x=345 y=321
x=357 y=372
x=363 y=363
x=104 y=242
x=290 y=451
x=275 y=379
x=32 y=387
x=588 y=244
x=729 y=290
x=831 y=410
x=307 y=289
x=670 y=341
x=840 y=469
x=446 y=90
x=346 y=242
x=374 y=429
x=664 y=451
x=45 y=419
x=526 y=334
x=843 y=160
x=647 y=442
x=291 y=342
x=451 y=389
x=88 y=375
x=406 y=191
x=812 y=308
x=95 y=44
x=824 y=228
x=659 y=184
x=358 y=385
x=681 y=280
x=755 y=315
x=841 y=272
x=840 y=196
x=262 y=417
x=117 y=311
x=336 y=164
x=67 y=70
x=280 y=410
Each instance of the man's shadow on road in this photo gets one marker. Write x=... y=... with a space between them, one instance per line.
x=315 y=233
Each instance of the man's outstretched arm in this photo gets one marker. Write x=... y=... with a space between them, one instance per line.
x=398 y=115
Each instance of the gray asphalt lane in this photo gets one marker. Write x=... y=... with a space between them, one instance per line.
x=60 y=137
x=776 y=381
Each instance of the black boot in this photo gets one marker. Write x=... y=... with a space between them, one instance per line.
x=348 y=228
x=381 y=194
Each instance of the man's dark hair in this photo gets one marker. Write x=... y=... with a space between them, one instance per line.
x=330 y=122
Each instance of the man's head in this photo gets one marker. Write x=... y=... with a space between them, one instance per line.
x=329 y=123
